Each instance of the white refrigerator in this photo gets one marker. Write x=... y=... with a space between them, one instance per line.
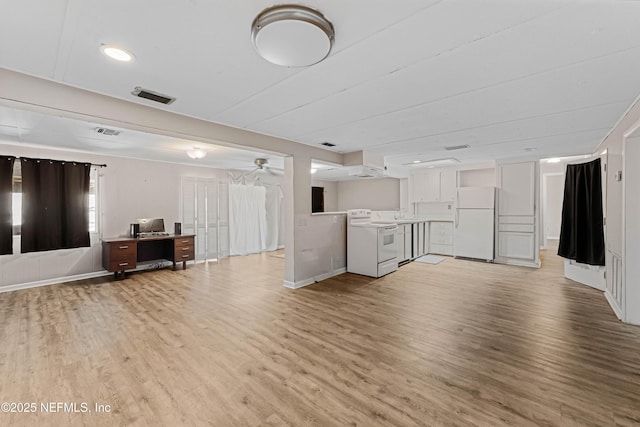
x=474 y=223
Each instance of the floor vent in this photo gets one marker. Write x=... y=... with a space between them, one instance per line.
x=153 y=96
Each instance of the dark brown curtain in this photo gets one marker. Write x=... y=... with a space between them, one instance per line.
x=55 y=205
x=582 y=229
x=6 y=217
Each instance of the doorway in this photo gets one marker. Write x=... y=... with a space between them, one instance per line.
x=553 y=195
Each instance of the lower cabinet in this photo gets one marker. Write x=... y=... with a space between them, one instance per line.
x=441 y=237
x=516 y=245
x=184 y=250
x=119 y=256
x=403 y=237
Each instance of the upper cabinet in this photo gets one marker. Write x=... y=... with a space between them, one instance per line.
x=433 y=186
x=517 y=183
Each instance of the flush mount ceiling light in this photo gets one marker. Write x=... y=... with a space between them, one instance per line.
x=292 y=35
x=116 y=53
x=196 y=153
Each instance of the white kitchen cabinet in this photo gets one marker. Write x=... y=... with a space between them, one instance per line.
x=517 y=188
x=404 y=242
x=441 y=237
x=422 y=246
x=433 y=185
x=419 y=239
x=407 y=241
x=516 y=245
x=447 y=185
x=517 y=235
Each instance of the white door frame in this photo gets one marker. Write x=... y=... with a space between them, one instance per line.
x=545 y=205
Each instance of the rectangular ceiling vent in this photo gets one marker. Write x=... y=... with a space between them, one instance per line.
x=153 y=96
x=456 y=147
x=327 y=144
x=107 y=131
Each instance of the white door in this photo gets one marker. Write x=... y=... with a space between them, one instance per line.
x=200 y=215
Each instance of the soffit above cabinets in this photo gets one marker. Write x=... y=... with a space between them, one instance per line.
x=404 y=78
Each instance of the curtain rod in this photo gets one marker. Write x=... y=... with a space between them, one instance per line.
x=98 y=165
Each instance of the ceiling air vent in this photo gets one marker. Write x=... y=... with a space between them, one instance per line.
x=153 y=96
x=327 y=144
x=107 y=131
x=456 y=147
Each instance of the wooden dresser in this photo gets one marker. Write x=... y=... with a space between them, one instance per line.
x=124 y=253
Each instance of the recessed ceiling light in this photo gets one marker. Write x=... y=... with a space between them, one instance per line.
x=292 y=35
x=416 y=161
x=116 y=53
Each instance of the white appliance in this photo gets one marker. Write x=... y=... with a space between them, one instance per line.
x=474 y=223
x=371 y=247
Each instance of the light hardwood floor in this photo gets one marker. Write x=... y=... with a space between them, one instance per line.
x=459 y=343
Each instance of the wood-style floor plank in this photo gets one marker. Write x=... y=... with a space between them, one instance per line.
x=460 y=343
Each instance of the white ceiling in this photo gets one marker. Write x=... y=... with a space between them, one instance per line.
x=405 y=79
x=19 y=127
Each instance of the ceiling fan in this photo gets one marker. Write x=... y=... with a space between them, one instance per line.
x=262 y=165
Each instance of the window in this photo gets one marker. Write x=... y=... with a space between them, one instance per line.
x=17 y=199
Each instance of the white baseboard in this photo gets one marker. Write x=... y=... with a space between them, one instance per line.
x=312 y=280
x=93 y=274
x=516 y=262
x=54 y=281
x=614 y=305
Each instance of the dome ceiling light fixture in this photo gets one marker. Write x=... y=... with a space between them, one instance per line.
x=292 y=35
x=196 y=153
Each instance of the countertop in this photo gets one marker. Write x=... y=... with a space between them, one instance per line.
x=425 y=219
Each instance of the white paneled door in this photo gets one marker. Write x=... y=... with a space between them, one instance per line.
x=200 y=215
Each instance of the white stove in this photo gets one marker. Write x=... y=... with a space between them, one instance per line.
x=371 y=247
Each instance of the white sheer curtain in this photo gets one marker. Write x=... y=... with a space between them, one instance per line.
x=274 y=217
x=247 y=219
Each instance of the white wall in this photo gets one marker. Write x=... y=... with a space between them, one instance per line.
x=129 y=189
x=330 y=194
x=616 y=234
x=31 y=93
x=375 y=194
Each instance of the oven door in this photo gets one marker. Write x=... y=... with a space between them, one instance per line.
x=387 y=243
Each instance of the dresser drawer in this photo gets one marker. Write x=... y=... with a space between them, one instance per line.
x=122 y=251
x=120 y=265
x=185 y=254
x=183 y=242
x=119 y=256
